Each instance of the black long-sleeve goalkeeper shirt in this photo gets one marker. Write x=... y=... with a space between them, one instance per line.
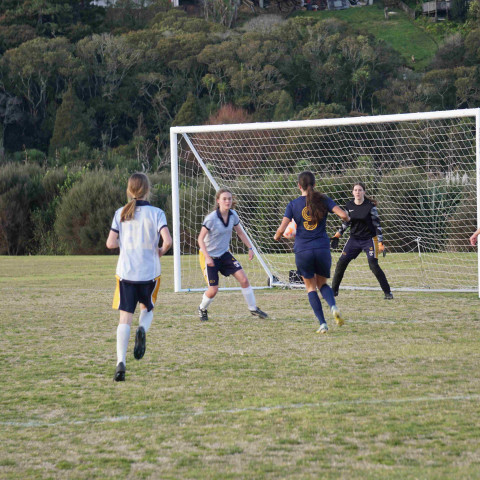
x=364 y=221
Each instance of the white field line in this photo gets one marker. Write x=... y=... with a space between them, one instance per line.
x=233 y=411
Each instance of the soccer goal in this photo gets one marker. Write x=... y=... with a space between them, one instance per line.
x=422 y=169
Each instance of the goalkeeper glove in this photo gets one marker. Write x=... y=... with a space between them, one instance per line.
x=381 y=248
x=334 y=241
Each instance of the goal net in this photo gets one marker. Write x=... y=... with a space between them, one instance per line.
x=421 y=169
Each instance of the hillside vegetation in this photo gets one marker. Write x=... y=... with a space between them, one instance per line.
x=407 y=37
x=88 y=95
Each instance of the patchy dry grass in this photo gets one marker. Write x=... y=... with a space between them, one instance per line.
x=392 y=394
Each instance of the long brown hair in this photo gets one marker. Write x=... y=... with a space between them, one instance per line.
x=138 y=187
x=361 y=184
x=315 y=201
x=225 y=190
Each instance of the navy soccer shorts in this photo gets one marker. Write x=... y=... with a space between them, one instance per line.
x=128 y=295
x=316 y=261
x=227 y=265
x=355 y=246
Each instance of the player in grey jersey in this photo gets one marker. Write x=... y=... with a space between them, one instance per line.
x=214 y=242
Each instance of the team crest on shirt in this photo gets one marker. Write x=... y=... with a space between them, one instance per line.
x=306 y=215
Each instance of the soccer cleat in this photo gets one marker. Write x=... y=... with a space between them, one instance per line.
x=388 y=296
x=335 y=293
x=140 y=343
x=203 y=314
x=119 y=373
x=258 y=313
x=322 y=328
x=337 y=316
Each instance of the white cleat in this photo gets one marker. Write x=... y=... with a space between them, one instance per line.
x=322 y=328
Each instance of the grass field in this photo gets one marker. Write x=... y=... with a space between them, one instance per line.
x=395 y=393
x=401 y=33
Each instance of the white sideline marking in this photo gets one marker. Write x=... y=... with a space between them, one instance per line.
x=293 y=406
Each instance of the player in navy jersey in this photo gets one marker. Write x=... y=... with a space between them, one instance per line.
x=365 y=235
x=136 y=229
x=312 y=245
x=214 y=242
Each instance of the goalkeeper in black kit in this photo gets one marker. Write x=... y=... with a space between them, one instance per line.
x=365 y=235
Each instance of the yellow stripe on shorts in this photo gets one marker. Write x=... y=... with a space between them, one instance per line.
x=203 y=265
x=155 y=290
x=116 y=295
x=375 y=246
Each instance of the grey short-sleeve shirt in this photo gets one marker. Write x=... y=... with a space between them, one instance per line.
x=217 y=240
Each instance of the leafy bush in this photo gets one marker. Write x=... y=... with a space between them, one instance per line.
x=421 y=210
x=21 y=192
x=56 y=183
x=86 y=211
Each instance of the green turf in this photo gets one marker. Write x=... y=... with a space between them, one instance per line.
x=401 y=33
x=392 y=394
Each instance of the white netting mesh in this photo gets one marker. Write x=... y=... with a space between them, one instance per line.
x=421 y=173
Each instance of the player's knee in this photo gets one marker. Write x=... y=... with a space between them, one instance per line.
x=374 y=266
x=342 y=262
x=211 y=291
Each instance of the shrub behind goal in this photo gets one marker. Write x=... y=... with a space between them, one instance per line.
x=422 y=169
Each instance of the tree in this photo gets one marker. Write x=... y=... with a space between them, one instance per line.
x=321 y=110
x=107 y=60
x=38 y=70
x=188 y=113
x=53 y=18
x=459 y=10
x=71 y=123
x=284 y=109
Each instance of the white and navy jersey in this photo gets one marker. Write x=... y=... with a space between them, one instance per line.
x=217 y=240
x=364 y=221
x=138 y=239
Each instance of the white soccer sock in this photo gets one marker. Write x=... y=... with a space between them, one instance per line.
x=206 y=301
x=123 y=335
x=145 y=319
x=249 y=297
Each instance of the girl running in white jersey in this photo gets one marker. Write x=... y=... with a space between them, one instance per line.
x=136 y=229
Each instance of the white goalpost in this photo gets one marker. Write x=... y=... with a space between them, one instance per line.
x=422 y=169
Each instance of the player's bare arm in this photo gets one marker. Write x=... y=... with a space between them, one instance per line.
x=340 y=212
x=245 y=240
x=112 y=240
x=167 y=242
x=473 y=238
x=203 y=247
x=283 y=226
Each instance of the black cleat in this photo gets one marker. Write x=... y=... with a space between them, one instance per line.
x=388 y=296
x=258 y=313
x=203 y=314
x=119 y=373
x=140 y=343
x=335 y=293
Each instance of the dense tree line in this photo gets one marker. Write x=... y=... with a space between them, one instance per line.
x=85 y=91
x=72 y=77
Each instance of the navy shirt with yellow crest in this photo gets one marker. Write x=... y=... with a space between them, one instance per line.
x=308 y=235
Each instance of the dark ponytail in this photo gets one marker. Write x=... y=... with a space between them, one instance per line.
x=315 y=201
